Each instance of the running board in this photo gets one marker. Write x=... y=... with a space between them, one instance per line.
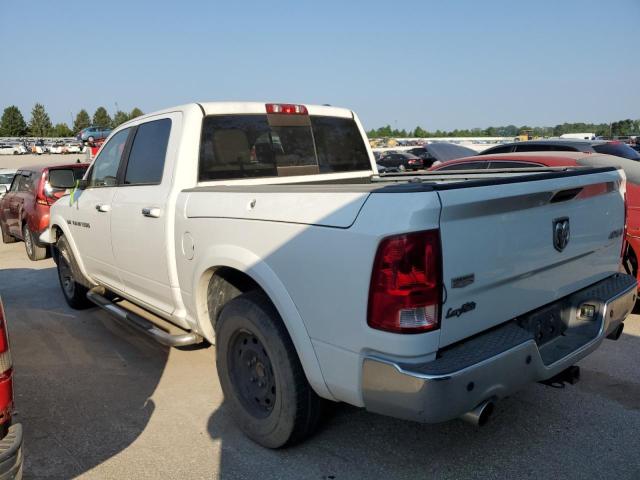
x=96 y=295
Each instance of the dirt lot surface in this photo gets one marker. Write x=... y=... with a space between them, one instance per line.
x=19 y=161
x=100 y=401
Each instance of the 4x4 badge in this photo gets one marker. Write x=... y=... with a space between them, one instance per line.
x=561 y=233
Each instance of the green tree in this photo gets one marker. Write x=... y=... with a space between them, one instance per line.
x=420 y=132
x=83 y=120
x=12 y=123
x=61 y=130
x=136 y=112
x=40 y=123
x=119 y=118
x=101 y=118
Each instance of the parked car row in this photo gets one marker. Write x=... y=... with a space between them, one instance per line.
x=12 y=148
x=419 y=157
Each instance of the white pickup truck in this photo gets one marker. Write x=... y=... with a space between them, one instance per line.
x=265 y=229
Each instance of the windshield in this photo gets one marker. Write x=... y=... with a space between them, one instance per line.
x=251 y=146
x=618 y=149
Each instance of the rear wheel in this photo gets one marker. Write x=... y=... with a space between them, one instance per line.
x=90 y=139
x=402 y=168
x=74 y=292
x=34 y=252
x=261 y=376
x=6 y=238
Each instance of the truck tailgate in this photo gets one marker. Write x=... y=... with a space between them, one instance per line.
x=505 y=250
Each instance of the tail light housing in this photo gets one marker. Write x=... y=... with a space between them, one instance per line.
x=406 y=284
x=286 y=109
x=6 y=372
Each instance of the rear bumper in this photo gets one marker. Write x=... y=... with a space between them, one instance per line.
x=11 y=454
x=496 y=363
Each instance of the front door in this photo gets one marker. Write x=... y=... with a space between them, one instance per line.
x=90 y=221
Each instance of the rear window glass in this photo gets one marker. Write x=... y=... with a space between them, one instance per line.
x=62 y=178
x=618 y=149
x=466 y=166
x=491 y=151
x=146 y=160
x=6 y=178
x=513 y=165
x=252 y=146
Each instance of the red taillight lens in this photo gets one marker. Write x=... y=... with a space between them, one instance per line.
x=286 y=108
x=406 y=284
x=6 y=367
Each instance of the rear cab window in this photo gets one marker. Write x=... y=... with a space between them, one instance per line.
x=272 y=145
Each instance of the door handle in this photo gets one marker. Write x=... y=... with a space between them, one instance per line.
x=151 y=212
x=103 y=208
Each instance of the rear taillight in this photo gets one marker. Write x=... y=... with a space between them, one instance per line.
x=406 y=284
x=6 y=369
x=41 y=196
x=286 y=108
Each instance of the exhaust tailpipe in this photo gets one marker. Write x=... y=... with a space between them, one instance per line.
x=479 y=416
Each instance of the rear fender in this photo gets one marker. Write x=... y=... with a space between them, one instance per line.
x=247 y=262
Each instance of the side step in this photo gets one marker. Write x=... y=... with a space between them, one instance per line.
x=96 y=295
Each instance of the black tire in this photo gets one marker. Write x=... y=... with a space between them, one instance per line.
x=263 y=382
x=90 y=139
x=6 y=238
x=402 y=168
x=75 y=293
x=34 y=251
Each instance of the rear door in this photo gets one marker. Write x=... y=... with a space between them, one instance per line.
x=19 y=201
x=140 y=224
x=90 y=221
x=500 y=258
x=10 y=211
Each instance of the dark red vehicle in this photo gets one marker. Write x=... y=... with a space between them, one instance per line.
x=24 y=210
x=10 y=431
x=570 y=159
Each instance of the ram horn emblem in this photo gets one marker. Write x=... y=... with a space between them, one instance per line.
x=561 y=233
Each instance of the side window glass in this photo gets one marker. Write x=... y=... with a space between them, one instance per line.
x=24 y=183
x=105 y=167
x=148 y=152
x=16 y=182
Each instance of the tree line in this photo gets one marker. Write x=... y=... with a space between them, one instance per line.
x=619 y=128
x=13 y=124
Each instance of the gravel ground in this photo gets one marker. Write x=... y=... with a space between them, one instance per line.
x=100 y=401
x=19 y=161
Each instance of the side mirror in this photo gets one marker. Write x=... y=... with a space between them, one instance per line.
x=3 y=189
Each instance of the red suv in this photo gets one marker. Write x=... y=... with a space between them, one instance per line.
x=24 y=210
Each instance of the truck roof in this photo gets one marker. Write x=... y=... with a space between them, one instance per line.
x=219 y=108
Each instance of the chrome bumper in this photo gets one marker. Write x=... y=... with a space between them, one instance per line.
x=494 y=364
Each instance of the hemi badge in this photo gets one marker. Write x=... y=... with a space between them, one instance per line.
x=461 y=282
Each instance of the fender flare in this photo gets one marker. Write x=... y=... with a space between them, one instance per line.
x=60 y=223
x=249 y=263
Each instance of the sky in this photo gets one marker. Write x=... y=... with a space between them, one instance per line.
x=437 y=64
